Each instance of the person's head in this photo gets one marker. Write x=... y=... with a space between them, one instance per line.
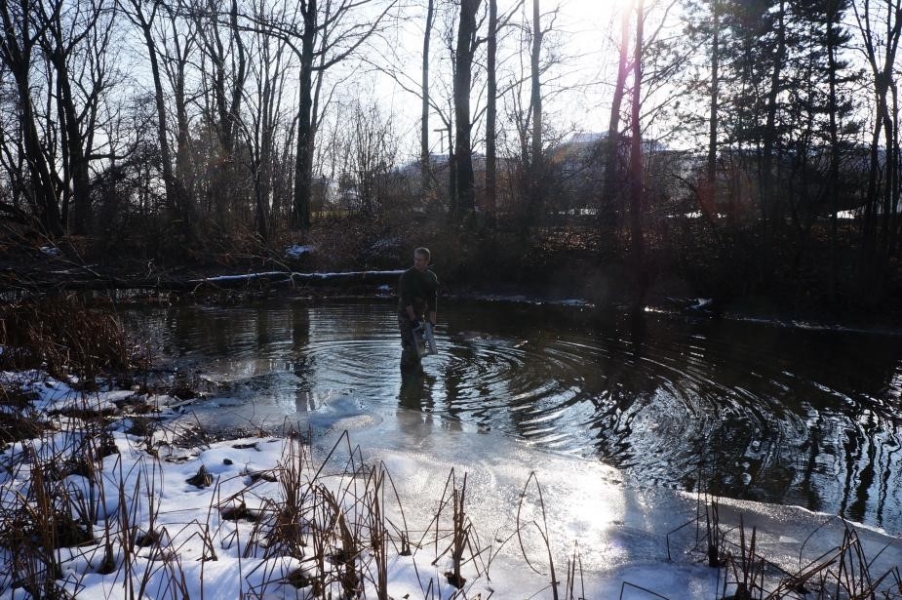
x=421 y=258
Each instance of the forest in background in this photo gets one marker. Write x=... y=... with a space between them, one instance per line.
x=751 y=151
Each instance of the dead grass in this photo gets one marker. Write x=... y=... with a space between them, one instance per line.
x=744 y=573
x=18 y=420
x=63 y=336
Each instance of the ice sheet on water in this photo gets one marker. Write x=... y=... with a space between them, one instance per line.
x=320 y=411
x=622 y=530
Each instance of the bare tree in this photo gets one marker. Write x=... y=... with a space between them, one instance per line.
x=535 y=99
x=495 y=25
x=769 y=205
x=145 y=14
x=536 y=173
x=612 y=142
x=76 y=40
x=532 y=178
x=491 y=112
x=463 y=201
x=17 y=51
x=714 y=104
x=425 y=167
x=880 y=28
x=59 y=50
x=223 y=74
x=365 y=154
x=323 y=35
x=269 y=67
x=636 y=174
x=327 y=34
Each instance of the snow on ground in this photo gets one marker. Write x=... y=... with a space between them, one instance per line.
x=526 y=510
x=298 y=250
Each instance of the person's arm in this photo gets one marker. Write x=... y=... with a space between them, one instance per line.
x=432 y=308
x=406 y=296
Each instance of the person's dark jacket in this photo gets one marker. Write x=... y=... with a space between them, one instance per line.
x=418 y=289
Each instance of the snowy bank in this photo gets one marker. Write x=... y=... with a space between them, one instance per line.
x=111 y=501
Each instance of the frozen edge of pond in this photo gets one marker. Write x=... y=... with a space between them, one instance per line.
x=622 y=531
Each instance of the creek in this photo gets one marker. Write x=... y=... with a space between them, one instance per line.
x=782 y=413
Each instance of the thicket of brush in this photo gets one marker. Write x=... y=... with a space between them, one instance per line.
x=324 y=532
x=63 y=335
x=744 y=266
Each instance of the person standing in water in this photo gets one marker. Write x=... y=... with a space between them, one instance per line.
x=417 y=301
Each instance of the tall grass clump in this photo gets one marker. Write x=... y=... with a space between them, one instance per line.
x=51 y=496
x=64 y=336
x=745 y=572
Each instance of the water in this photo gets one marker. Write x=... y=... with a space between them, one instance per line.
x=752 y=410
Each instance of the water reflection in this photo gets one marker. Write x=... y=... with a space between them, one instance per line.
x=750 y=410
x=303 y=364
x=416 y=389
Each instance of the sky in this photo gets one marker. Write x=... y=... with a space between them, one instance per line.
x=621 y=533
x=577 y=89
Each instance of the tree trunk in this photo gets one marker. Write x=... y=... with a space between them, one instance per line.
x=637 y=241
x=833 y=176
x=711 y=173
x=270 y=88
x=463 y=74
x=894 y=225
x=173 y=195
x=608 y=210
x=491 y=112
x=175 y=69
x=890 y=193
x=303 y=172
x=73 y=149
x=43 y=189
x=874 y=251
x=16 y=47
x=768 y=191
x=425 y=167
x=537 y=164
x=234 y=112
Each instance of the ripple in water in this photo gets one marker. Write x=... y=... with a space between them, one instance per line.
x=746 y=409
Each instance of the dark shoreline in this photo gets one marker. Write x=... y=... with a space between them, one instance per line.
x=213 y=284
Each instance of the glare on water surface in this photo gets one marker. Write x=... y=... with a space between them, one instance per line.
x=762 y=411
